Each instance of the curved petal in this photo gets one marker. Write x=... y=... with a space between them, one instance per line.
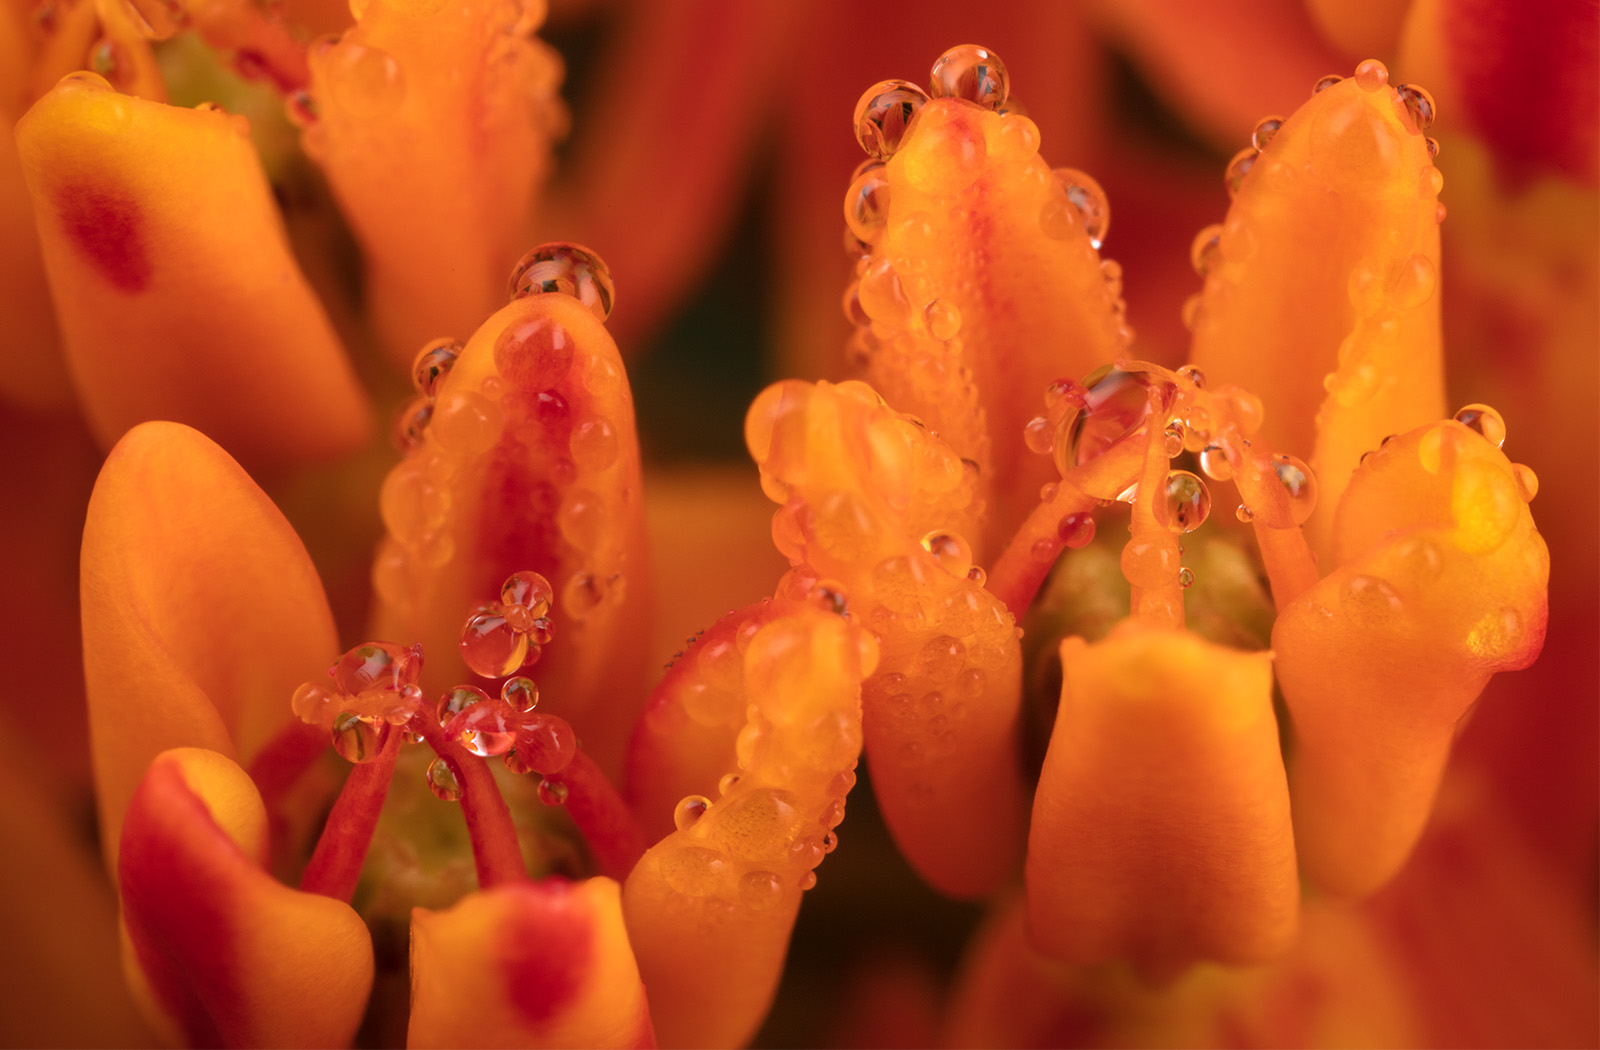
x=1441 y=583
x=173 y=282
x=1161 y=825
x=32 y=371
x=201 y=610
x=531 y=461
x=710 y=907
x=528 y=964
x=1341 y=343
x=220 y=951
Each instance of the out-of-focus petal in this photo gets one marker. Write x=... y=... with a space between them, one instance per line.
x=1441 y=583
x=201 y=610
x=874 y=513
x=173 y=282
x=711 y=906
x=1321 y=292
x=527 y=964
x=1161 y=826
x=530 y=461
x=219 y=951
x=1360 y=28
x=434 y=127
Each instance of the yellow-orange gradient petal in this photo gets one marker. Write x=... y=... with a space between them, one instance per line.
x=219 y=952
x=434 y=126
x=711 y=906
x=173 y=282
x=1161 y=826
x=1321 y=289
x=530 y=461
x=1441 y=583
x=529 y=964
x=873 y=516
x=981 y=286
x=201 y=610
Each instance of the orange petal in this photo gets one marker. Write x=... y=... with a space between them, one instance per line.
x=711 y=906
x=1161 y=823
x=1321 y=294
x=867 y=497
x=201 y=610
x=972 y=358
x=1359 y=28
x=531 y=461
x=219 y=952
x=176 y=293
x=1441 y=582
x=528 y=964
x=435 y=129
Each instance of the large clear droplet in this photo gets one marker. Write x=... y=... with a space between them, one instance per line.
x=1299 y=484
x=1485 y=422
x=973 y=73
x=883 y=113
x=568 y=268
x=491 y=646
x=1085 y=194
x=443 y=782
x=1188 y=501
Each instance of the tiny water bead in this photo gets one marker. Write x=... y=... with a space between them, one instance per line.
x=1076 y=530
x=411 y=423
x=1172 y=439
x=552 y=792
x=1086 y=196
x=1325 y=83
x=1418 y=106
x=1264 y=131
x=866 y=204
x=689 y=811
x=1186 y=577
x=443 y=782
x=943 y=319
x=529 y=590
x=1205 y=250
x=1371 y=75
x=1300 y=485
x=1214 y=462
x=883 y=113
x=568 y=268
x=1484 y=421
x=356 y=737
x=1527 y=481
x=433 y=362
x=1188 y=501
x=521 y=693
x=499 y=637
x=1238 y=168
x=1194 y=375
x=951 y=550
x=973 y=73
x=374 y=687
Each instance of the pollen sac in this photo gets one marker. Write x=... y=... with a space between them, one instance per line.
x=567 y=268
x=374 y=687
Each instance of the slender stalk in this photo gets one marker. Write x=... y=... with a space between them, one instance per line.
x=607 y=824
x=336 y=863
x=495 y=848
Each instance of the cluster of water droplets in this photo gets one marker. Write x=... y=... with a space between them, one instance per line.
x=374 y=690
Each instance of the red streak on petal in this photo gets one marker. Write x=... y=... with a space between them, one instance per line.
x=546 y=951
x=109 y=230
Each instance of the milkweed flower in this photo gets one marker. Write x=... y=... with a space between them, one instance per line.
x=938 y=515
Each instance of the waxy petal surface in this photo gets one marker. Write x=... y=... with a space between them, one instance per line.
x=223 y=953
x=711 y=906
x=1161 y=826
x=867 y=496
x=530 y=462
x=1321 y=294
x=172 y=278
x=201 y=610
x=435 y=128
x=1441 y=583
x=527 y=964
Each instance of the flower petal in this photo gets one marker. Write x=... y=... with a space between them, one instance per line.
x=1321 y=294
x=218 y=950
x=543 y=476
x=710 y=907
x=1441 y=583
x=543 y=964
x=201 y=610
x=176 y=293
x=1161 y=822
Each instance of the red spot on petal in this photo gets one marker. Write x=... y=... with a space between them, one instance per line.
x=109 y=230
x=546 y=950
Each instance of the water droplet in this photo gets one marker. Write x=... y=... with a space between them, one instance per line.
x=830 y=597
x=376 y=665
x=1205 y=250
x=1418 y=104
x=1076 y=530
x=866 y=205
x=1300 y=485
x=534 y=353
x=1086 y=196
x=981 y=578
x=355 y=737
x=1238 y=168
x=581 y=518
x=490 y=646
x=943 y=319
x=1527 y=481
x=882 y=114
x=689 y=811
x=1485 y=422
x=1172 y=439
x=940 y=659
x=552 y=792
x=1188 y=501
x=1369 y=601
x=1242 y=512
x=759 y=890
x=1039 y=435
x=301 y=108
x=311 y=703
x=1214 y=462
x=433 y=362
x=1115 y=404
x=521 y=693
x=1371 y=75
x=443 y=782
x=529 y=590
x=882 y=295
x=973 y=73
x=1416 y=282
x=1325 y=83
x=951 y=549
x=807 y=881
x=1264 y=131
x=568 y=268
x=1193 y=374
x=1433 y=147
x=411 y=423
x=465 y=422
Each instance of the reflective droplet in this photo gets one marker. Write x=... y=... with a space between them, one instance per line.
x=1242 y=512
x=981 y=578
x=1039 y=435
x=1371 y=75
x=1527 y=481
x=1172 y=439
x=1264 y=132
x=1188 y=501
x=1418 y=104
x=808 y=881
x=1205 y=250
x=1076 y=530
x=1193 y=374
x=552 y=792
x=951 y=549
x=1416 y=283
x=355 y=737
x=973 y=73
x=534 y=353
x=689 y=811
x=311 y=703
x=568 y=268
x=443 y=782
x=376 y=665
x=528 y=590
x=759 y=890
x=943 y=319
x=490 y=646
x=433 y=362
x=1325 y=83
x=1085 y=195
x=1115 y=404
x=1300 y=485
x=1433 y=147
x=411 y=423
x=728 y=782
x=866 y=204
x=1214 y=462
x=465 y=422
x=1485 y=422
x=882 y=114
x=1238 y=168
x=521 y=693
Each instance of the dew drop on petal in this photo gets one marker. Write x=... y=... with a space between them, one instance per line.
x=943 y=319
x=1371 y=75
x=433 y=362
x=311 y=702
x=1418 y=104
x=1484 y=421
x=1264 y=131
x=1299 y=484
x=355 y=737
x=1076 y=530
x=1238 y=168
x=490 y=646
x=529 y=590
x=882 y=114
x=1194 y=375
x=866 y=204
x=567 y=268
x=552 y=792
x=1186 y=577
x=1214 y=462
x=1188 y=501
x=1085 y=195
x=410 y=424
x=759 y=890
x=1244 y=513
x=973 y=73
x=689 y=811
x=521 y=693
x=978 y=576
x=1325 y=83
x=443 y=782
x=951 y=550
x=1527 y=481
